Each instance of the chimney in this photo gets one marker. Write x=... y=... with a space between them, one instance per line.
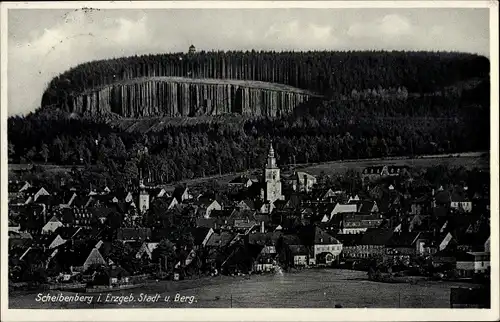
x=262 y=227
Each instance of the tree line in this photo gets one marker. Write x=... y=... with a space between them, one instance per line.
x=326 y=72
x=318 y=131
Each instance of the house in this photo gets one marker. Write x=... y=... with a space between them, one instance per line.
x=32 y=218
x=372 y=243
x=420 y=205
x=76 y=217
x=18 y=186
x=446 y=258
x=242 y=258
x=68 y=233
x=50 y=201
x=51 y=226
x=356 y=224
x=79 y=257
x=248 y=204
x=206 y=206
x=431 y=243
x=181 y=194
x=156 y=192
x=470 y=263
x=291 y=251
x=112 y=276
x=146 y=250
x=207 y=222
x=402 y=246
x=220 y=240
x=81 y=202
x=133 y=233
x=50 y=241
x=460 y=201
x=324 y=211
x=266 y=259
x=473 y=242
x=344 y=208
x=373 y=173
x=350 y=244
x=241 y=182
x=323 y=195
x=201 y=235
x=302 y=181
x=325 y=248
x=33 y=193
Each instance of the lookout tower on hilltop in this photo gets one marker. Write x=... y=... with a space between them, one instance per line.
x=192 y=49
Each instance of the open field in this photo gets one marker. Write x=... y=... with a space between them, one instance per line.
x=314 y=288
x=468 y=160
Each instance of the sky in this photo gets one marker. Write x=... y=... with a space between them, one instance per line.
x=42 y=43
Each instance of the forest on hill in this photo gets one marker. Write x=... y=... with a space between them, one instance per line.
x=324 y=72
x=363 y=126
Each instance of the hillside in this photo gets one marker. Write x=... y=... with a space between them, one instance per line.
x=327 y=73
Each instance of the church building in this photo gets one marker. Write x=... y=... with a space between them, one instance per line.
x=272 y=181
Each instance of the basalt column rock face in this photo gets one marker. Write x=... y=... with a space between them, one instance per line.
x=189 y=97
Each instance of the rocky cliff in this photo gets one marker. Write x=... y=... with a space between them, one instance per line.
x=177 y=96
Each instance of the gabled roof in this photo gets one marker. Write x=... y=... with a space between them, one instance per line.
x=81 y=201
x=403 y=239
x=312 y=235
x=49 y=200
x=67 y=232
x=178 y=192
x=76 y=254
x=199 y=234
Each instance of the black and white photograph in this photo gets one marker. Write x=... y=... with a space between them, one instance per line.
x=253 y=155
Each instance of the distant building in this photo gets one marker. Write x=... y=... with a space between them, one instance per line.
x=192 y=49
x=377 y=172
x=302 y=181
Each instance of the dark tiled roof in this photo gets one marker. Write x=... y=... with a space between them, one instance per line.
x=298 y=250
x=349 y=239
x=134 y=233
x=375 y=236
x=267 y=239
x=206 y=222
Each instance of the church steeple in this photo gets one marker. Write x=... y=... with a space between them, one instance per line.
x=271 y=178
x=271 y=159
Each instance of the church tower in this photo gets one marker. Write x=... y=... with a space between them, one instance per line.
x=272 y=182
x=143 y=197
